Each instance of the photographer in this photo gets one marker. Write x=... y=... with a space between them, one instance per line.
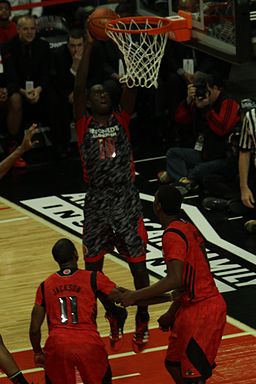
x=212 y=116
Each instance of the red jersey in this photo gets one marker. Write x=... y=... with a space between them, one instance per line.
x=187 y=245
x=69 y=298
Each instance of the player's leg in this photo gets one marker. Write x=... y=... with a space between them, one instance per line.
x=92 y=361
x=115 y=315
x=98 y=239
x=59 y=361
x=107 y=379
x=9 y=366
x=174 y=370
x=131 y=240
x=193 y=344
x=141 y=280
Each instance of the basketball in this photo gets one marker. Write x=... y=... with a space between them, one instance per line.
x=98 y=20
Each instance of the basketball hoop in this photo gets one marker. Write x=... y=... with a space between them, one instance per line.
x=142 y=41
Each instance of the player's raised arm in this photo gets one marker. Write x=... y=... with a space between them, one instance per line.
x=81 y=79
x=128 y=99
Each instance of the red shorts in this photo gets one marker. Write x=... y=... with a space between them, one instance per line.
x=64 y=353
x=196 y=336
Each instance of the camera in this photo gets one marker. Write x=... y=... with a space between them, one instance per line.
x=247 y=104
x=201 y=89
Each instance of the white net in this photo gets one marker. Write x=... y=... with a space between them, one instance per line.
x=141 y=50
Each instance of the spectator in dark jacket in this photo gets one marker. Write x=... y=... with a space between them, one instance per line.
x=30 y=58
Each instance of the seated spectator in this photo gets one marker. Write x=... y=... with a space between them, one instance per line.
x=7 y=27
x=30 y=58
x=7 y=87
x=35 y=12
x=212 y=116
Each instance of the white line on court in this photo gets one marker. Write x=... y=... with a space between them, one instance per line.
x=14 y=219
x=33 y=370
x=235 y=218
x=150 y=159
x=125 y=376
x=240 y=334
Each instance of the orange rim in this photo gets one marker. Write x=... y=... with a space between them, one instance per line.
x=151 y=20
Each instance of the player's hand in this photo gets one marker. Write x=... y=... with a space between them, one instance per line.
x=116 y=294
x=166 y=321
x=127 y=298
x=27 y=142
x=39 y=359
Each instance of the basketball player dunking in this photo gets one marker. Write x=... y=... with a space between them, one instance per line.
x=112 y=208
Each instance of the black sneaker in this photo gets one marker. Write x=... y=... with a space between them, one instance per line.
x=141 y=335
x=215 y=204
x=116 y=321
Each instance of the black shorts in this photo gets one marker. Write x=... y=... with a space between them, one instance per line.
x=113 y=219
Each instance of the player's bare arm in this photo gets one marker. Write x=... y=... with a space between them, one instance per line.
x=81 y=79
x=26 y=145
x=37 y=318
x=117 y=294
x=166 y=321
x=128 y=99
x=173 y=280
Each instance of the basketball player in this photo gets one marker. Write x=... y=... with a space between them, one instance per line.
x=196 y=318
x=7 y=363
x=69 y=299
x=112 y=208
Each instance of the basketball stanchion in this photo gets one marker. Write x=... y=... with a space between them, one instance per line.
x=142 y=41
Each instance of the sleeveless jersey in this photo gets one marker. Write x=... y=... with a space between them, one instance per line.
x=106 y=151
x=70 y=300
x=188 y=246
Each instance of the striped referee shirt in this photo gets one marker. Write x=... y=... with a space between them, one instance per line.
x=248 y=132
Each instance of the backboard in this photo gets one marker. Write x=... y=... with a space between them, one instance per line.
x=219 y=28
